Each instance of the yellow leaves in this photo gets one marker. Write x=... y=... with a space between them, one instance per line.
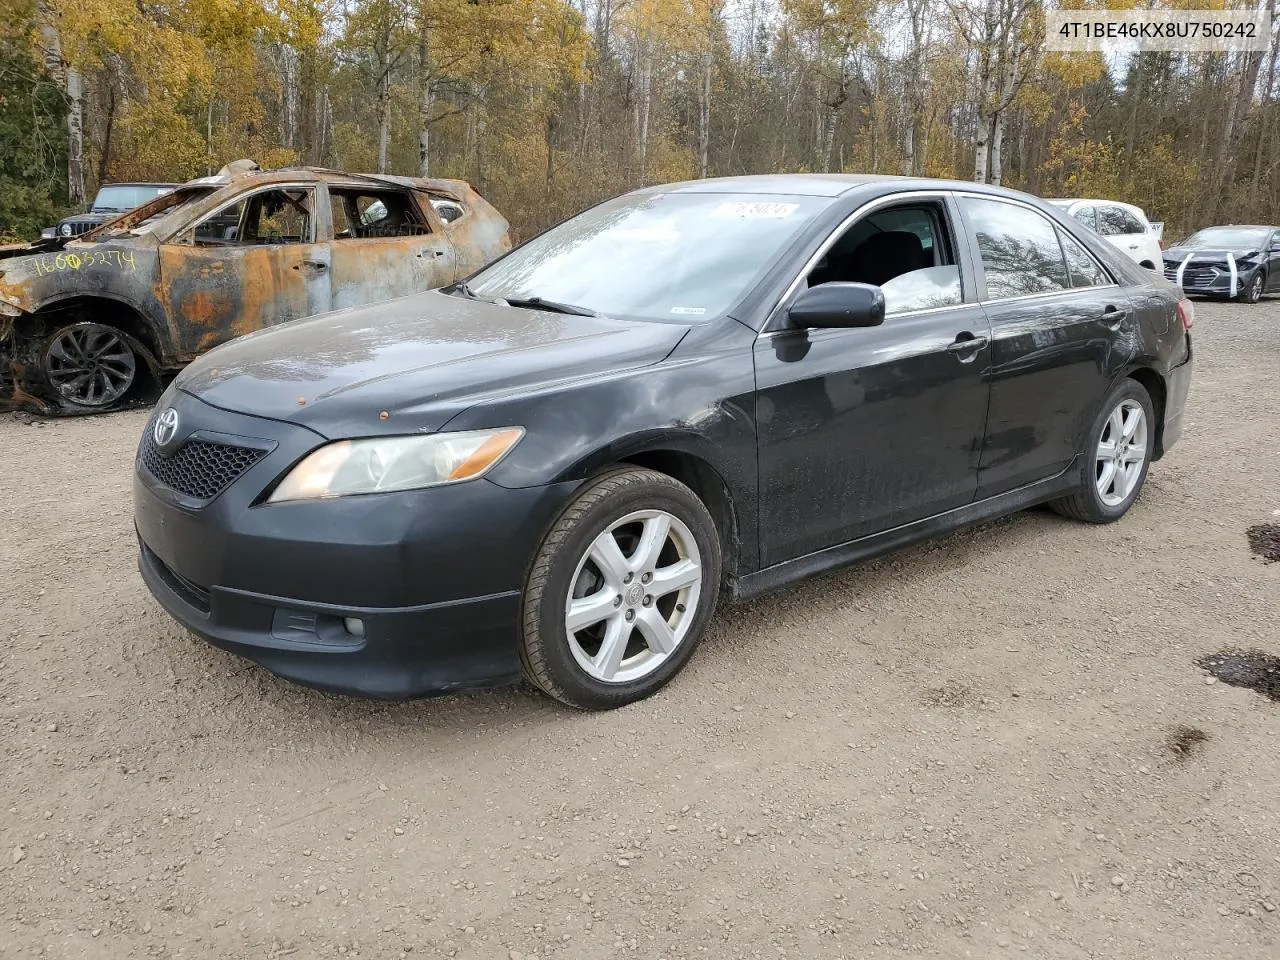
x=155 y=142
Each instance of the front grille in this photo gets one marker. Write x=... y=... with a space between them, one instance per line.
x=1192 y=277
x=80 y=226
x=199 y=468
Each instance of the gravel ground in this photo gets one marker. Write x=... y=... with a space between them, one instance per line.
x=996 y=743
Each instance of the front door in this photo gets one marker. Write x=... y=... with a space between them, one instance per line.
x=251 y=264
x=384 y=245
x=1271 y=256
x=1059 y=326
x=862 y=430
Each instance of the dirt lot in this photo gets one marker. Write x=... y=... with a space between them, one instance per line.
x=971 y=749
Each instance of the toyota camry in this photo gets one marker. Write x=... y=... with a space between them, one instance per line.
x=697 y=391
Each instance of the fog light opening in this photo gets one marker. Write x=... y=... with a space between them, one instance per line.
x=354 y=626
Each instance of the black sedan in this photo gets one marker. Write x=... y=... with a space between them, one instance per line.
x=1240 y=263
x=694 y=391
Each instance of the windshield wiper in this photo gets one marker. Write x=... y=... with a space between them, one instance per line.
x=538 y=303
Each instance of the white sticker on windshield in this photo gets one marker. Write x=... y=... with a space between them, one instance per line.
x=664 y=231
x=689 y=311
x=755 y=210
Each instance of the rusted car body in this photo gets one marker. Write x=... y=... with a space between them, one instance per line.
x=87 y=324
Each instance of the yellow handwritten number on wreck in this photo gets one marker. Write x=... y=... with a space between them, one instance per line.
x=119 y=259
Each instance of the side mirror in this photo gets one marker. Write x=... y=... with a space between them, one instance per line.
x=838 y=305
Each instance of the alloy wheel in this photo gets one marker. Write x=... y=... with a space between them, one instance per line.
x=90 y=364
x=1255 y=288
x=633 y=596
x=1122 y=453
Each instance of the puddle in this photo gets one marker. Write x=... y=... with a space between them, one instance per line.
x=1185 y=742
x=1264 y=540
x=1246 y=668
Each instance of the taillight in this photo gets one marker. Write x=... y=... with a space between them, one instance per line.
x=1186 y=313
x=1163 y=245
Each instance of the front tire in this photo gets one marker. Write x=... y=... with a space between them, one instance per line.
x=1252 y=292
x=90 y=364
x=621 y=590
x=1117 y=457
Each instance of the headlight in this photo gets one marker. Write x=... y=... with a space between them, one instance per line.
x=382 y=464
x=65 y=229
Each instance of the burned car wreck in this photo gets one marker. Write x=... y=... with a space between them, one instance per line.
x=95 y=322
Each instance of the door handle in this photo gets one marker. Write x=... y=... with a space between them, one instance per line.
x=314 y=266
x=430 y=254
x=966 y=346
x=1113 y=317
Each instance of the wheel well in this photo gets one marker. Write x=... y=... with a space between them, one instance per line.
x=112 y=313
x=703 y=479
x=1154 y=384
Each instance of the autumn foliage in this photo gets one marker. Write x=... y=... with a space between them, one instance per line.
x=550 y=105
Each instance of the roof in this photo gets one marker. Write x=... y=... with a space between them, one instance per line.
x=1068 y=201
x=247 y=169
x=822 y=184
x=139 y=183
x=1239 y=226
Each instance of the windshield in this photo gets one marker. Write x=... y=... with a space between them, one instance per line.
x=656 y=256
x=1228 y=237
x=118 y=199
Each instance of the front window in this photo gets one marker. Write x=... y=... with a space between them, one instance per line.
x=119 y=198
x=685 y=257
x=1227 y=237
x=905 y=251
x=268 y=217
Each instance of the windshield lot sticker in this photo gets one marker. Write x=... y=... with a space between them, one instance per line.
x=754 y=210
x=689 y=311
x=664 y=232
x=119 y=259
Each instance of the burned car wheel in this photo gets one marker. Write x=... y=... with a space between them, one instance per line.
x=89 y=364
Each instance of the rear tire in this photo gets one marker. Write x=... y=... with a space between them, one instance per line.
x=1116 y=459
x=620 y=591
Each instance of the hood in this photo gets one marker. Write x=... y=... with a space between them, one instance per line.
x=420 y=359
x=1176 y=255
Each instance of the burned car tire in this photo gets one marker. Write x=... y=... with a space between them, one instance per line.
x=620 y=591
x=89 y=364
x=1116 y=459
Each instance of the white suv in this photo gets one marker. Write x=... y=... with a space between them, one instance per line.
x=1123 y=224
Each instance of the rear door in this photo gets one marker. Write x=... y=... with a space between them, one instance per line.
x=256 y=261
x=385 y=244
x=1056 y=316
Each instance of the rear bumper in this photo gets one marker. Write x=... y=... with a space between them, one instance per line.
x=1178 y=387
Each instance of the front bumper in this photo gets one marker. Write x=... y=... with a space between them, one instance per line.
x=434 y=576
x=1211 y=279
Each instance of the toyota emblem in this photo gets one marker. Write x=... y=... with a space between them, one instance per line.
x=166 y=427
